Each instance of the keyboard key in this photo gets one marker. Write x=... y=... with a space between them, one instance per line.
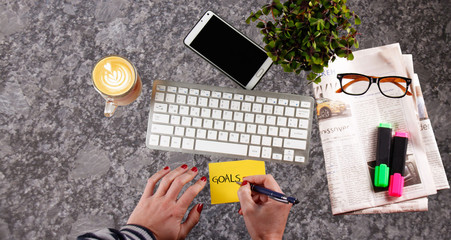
x=174 y=109
x=154 y=139
x=227 y=115
x=266 y=152
x=298 y=133
x=254 y=151
x=221 y=147
x=176 y=142
x=257 y=108
x=224 y=104
x=245 y=138
x=281 y=121
x=227 y=96
x=183 y=90
x=161 y=88
x=230 y=126
x=179 y=131
x=273 y=131
x=205 y=93
x=272 y=100
x=289 y=111
x=283 y=132
x=294 y=103
x=262 y=129
x=216 y=94
x=278 y=110
x=267 y=109
x=212 y=134
x=206 y=112
x=238 y=116
x=240 y=127
x=288 y=155
x=195 y=112
x=219 y=125
x=203 y=102
x=165 y=141
x=192 y=100
x=184 y=110
x=249 y=117
x=160 y=107
x=188 y=143
x=162 y=129
x=160 y=118
x=186 y=121
x=303 y=123
x=270 y=120
x=255 y=139
x=172 y=89
x=259 y=118
x=261 y=99
x=251 y=128
x=208 y=123
x=197 y=122
x=283 y=102
x=292 y=122
x=223 y=136
x=201 y=133
x=246 y=107
x=214 y=103
x=238 y=97
x=295 y=144
x=299 y=159
x=277 y=142
x=266 y=141
x=305 y=104
x=217 y=114
x=159 y=96
x=235 y=105
x=249 y=98
x=233 y=137
x=277 y=156
x=175 y=120
x=302 y=113
x=194 y=91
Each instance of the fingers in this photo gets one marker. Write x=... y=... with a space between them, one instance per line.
x=179 y=182
x=152 y=181
x=245 y=196
x=266 y=181
x=188 y=196
x=191 y=220
x=167 y=180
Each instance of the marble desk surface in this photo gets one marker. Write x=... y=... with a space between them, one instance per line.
x=66 y=169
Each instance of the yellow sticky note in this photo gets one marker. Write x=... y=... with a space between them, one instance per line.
x=224 y=175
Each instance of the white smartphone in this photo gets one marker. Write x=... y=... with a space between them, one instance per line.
x=227 y=49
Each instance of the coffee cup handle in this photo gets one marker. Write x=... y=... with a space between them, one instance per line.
x=110 y=107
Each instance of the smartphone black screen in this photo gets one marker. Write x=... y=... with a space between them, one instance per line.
x=229 y=50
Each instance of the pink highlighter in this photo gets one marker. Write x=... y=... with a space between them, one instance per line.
x=398 y=161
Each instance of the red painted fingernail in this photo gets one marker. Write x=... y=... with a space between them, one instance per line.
x=184 y=166
x=200 y=207
x=194 y=169
x=239 y=210
x=244 y=183
x=203 y=179
x=166 y=168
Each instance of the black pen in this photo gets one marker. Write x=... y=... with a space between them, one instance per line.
x=274 y=195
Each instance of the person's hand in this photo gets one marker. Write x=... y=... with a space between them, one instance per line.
x=265 y=218
x=161 y=212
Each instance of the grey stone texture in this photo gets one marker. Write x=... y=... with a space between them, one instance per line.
x=66 y=169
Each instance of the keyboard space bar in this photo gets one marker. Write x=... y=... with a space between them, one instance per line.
x=221 y=147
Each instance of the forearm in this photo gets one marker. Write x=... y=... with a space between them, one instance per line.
x=127 y=232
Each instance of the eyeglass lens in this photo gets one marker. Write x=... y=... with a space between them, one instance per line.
x=355 y=84
x=393 y=87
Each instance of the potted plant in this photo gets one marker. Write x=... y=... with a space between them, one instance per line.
x=303 y=35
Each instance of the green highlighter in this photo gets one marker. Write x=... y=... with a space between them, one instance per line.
x=382 y=169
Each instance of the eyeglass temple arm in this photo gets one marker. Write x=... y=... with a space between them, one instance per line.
x=365 y=79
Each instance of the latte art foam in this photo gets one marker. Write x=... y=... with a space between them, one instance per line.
x=113 y=76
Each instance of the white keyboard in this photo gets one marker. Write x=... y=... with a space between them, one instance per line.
x=237 y=123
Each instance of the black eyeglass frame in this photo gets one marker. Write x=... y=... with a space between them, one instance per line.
x=373 y=80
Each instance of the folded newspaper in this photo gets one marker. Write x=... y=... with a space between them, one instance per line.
x=348 y=130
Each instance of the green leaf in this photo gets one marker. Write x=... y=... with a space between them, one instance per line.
x=357 y=20
x=260 y=25
x=350 y=57
x=317 y=68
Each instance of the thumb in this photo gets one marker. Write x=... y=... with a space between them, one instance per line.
x=191 y=221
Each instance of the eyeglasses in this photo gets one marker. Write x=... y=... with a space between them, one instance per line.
x=389 y=86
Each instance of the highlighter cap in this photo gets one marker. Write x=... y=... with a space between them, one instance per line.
x=396 y=185
x=381 y=174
